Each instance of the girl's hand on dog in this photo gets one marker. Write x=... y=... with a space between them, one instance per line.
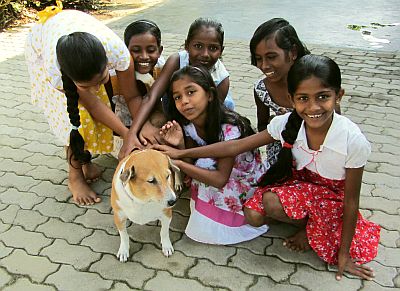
x=173 y=153
x=172 y=134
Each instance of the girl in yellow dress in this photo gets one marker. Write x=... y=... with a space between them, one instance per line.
x=69 y=56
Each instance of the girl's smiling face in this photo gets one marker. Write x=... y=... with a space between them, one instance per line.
x=273 y=61
x=145 y=52
x=191 y=100
x=315 y=103
x=204 y=48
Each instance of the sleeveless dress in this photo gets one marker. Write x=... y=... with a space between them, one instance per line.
x=272 y=150
x=45 y=75
x=216 y=214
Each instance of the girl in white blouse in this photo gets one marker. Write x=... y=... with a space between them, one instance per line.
x=315 y=184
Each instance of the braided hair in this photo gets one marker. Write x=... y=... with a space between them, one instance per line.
x=81 y=56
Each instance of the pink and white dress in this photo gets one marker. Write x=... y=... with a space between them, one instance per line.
x=216 y=214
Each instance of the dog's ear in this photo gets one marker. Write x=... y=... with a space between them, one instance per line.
x=127 y=174
x=173 y=167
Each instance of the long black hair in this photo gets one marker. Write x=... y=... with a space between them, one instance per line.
x=285 y=37
x=217 y=113
x=328 y=72
x=81 y=56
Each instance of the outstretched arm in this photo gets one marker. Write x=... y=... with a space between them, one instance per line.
x=350 y=215
x=222 y=149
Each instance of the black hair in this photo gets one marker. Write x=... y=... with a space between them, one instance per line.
x=217 y=113
x=81 y=56
x=206 y=22
x=140 y=27
x=328 y=72
x=285 y=37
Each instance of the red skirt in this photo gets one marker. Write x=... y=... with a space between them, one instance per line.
x=322 y=202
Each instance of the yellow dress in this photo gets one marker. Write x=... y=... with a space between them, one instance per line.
x=45 y=75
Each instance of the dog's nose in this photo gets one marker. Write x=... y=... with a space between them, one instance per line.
x=171 y=202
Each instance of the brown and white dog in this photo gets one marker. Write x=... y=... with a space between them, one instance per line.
x=143 y=191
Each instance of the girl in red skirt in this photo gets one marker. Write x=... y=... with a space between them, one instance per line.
x=315 y=184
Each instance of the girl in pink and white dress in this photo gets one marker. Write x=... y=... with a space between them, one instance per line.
x=219 y=186
x=315 y=183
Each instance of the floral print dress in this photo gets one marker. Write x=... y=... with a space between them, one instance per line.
x=216 y=214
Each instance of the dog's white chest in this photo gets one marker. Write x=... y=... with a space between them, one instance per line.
x=140 y=213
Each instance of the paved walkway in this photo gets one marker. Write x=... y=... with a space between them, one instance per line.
x=49 y=243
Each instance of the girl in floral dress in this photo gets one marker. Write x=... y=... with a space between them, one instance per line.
x=219 y=187
x=315 y=183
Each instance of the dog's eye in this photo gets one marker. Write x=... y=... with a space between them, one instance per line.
x=152 y=181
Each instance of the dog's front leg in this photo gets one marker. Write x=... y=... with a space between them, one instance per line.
x=120 y=222
x=166 y=244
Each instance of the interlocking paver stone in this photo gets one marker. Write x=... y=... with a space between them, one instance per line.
x=262 y=265
x=17 y=167
x=265 y=283
x=319 y=280
x=131 y=272
x=257 y=245
x=48 y=189
x=25 y=284
x=21 y=183
x=26 y=200
x=153 y=258
x=388 y=256
x=164 y=281
x=31 y=242
x=67 y=278
x=71 y=232
x=100 y=241
x=52 y=208
x=372 y=286
x=220 y=276
x=217 y=254
x=93 y=219
x=29 y=219
x=150 y=234
x=4 y=251
x=36 y=267
x=390 y=222
x=8 y=214
x=4 y=278
x=62 y=252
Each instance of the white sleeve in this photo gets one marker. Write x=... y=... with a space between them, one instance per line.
x=117 y=54
x=358 y=151
x=277 y=125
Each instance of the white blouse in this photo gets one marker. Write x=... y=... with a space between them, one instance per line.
x=344 y=147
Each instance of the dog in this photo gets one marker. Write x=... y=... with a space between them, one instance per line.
x=143 y=190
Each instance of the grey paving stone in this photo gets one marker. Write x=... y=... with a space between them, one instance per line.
x=309 y=257
x=62 y=252
x=21 y=183
x=67 y=278
x=381 y=204
x=216 y=253
x=26 y=200
x=261 y=265
x=17 y=167
x=14 y=154
x=388 y=256
x=52 y=208
x=182 y=207
x=4 y=251
x=390 y=222
x=383 y=275
x=4 y=226
x=265 y=283
x=179 y=222
x=45 y=148
x=102 y=242
x=4 y=278
x=130 y=272
x=29 y=219
x=31 y=242
x=47 y=189
x=281 y=230
x=93 y=219
x=53 y=162
x=372 y=286
x=389 y=238
x=24 y=284
x=122 y=287
x=150 y=234
x=317 y=280
x=152 y=257
x=100 y=186
x=397 y=281
x=164 y=281
x=393 y=170
x=71 y=232
x=386 y=192
x=220 y=276
x=256 y=246
x=36 y=267
x=381 y=179
x=56 y=176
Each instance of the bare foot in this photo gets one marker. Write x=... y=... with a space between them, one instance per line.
x=298 y=242
x=81 y=192
x=91 y=172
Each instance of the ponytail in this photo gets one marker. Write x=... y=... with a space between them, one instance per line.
x=283 y=167
x=76 y=142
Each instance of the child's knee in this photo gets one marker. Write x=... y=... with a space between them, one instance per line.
x=272 y=204
x=253 y=217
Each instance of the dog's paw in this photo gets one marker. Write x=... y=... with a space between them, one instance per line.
x=123 y=254
x=167 y=249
